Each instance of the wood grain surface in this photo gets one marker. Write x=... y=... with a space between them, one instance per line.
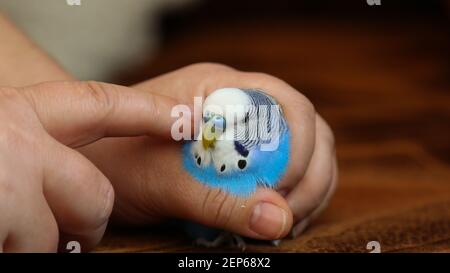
x=384 y=89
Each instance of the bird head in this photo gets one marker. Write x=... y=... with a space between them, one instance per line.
x=223 y=111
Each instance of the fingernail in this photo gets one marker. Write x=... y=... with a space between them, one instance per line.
x=268 y=220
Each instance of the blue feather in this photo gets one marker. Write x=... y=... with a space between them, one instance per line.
x=265 y=168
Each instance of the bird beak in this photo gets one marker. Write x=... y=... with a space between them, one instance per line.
x=208 y=135
x=211 y=131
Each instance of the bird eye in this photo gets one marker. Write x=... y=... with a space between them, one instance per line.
x=206 y=116
x=220 y=123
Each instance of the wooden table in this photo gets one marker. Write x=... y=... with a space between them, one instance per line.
x=383 y=87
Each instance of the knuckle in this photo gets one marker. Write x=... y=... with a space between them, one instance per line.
x=209 y=67
x=297 y=100
x=153 y=106
x=101 y=96
x=305 y=111
x=102 y=193
x=51 y=236
x=106 y=197
x=325 y=131
x=263 y=78
x=305 y=105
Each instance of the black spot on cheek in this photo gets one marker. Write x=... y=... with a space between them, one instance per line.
x=242 y=163
x=222 y=169
x=196 y=155
x=199 y=161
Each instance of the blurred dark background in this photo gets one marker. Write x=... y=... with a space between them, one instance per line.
x=344 y=55
x=378 y=74
x=265 y=11
x=224 y=20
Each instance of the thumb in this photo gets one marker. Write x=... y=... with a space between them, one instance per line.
x=264 y=215
x=77 y=113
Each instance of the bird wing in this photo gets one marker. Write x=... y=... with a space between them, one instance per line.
x=264 y=111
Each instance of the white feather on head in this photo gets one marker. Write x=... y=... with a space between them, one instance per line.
x=224 y=100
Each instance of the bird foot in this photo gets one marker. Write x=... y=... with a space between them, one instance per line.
x=275 y=242
x=224 y=238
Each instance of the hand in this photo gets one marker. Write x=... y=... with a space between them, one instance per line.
x=48 y=189
x=151 y=184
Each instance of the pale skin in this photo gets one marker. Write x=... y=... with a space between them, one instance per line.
x=60 y=179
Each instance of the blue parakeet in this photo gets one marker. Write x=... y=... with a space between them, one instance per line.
x=243 y=143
